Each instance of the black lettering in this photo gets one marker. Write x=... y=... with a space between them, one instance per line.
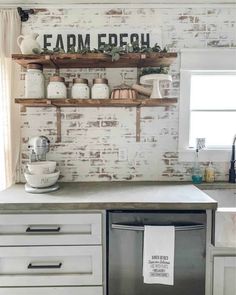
x=70 y=41
x=100 y=42
x=113 y=39
x=134 y=38
x=145 y=42
x=46 y=44
x=59 y=42
x=122 y=42
x=82 y=43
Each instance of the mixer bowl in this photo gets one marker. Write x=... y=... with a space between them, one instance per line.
x=42 y=167
x=41 y=180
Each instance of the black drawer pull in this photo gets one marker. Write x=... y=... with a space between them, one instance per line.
x=44 y=266
x=43 y=230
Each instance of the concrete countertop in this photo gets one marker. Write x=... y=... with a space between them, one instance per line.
x=109 y=195
x=216 y=185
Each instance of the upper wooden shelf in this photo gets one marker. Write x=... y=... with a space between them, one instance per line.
x=96 y=60
x=95 y=102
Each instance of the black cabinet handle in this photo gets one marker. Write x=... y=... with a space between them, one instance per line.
x=44 y=266
x=43 y=230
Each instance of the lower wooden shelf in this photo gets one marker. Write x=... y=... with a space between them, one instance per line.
x=59 y=103
x=27 y=102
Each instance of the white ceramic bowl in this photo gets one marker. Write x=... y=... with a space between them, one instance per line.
x=41 y=180
x=42 y=167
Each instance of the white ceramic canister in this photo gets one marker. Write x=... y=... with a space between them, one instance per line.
x=56 y=87
x=80 y=88
x=34 y=81
x=100 y=88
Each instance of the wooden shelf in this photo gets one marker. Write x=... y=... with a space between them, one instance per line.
x=95 y=102
x=96 y=60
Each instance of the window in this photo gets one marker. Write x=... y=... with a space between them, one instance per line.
x=213 y=108
x=207 y=103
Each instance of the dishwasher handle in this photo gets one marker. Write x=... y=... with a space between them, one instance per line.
x=141 y=228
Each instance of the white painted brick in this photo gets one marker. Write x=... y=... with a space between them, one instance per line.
x=92 y=137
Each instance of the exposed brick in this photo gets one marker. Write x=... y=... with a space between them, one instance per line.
x=93 y=124
x=73 y=116
x=43 y=11
x=92 y=137
x=105 y=177
x=109 y=123
x=114 y=12
x=94 y=154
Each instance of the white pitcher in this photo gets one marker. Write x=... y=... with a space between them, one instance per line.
x=28 y=42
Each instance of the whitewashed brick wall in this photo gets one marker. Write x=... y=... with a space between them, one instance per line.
x=92 y=137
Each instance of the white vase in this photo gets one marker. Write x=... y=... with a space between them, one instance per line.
x=27 y=43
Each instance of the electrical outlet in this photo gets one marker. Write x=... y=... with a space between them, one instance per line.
x=123 y=155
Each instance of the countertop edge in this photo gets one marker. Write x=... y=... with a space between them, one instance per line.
x=107 y=206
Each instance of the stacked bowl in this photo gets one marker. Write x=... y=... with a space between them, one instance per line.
x=42 y=174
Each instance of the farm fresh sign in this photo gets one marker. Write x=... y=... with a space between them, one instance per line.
x=80 y=41
x=66 y=40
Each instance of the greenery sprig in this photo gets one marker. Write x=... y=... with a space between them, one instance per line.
x=155 y=70
x=114 y=51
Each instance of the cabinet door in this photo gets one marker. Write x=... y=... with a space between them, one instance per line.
x=224 y=280
x=50 y=266
x=52 y=291
x=50 y=229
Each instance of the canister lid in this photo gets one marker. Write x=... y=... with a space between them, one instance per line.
x=57 y=79
x=35 y=66
x=80 y=80
x=100 y=81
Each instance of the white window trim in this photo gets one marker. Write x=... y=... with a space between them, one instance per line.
x=200 y=61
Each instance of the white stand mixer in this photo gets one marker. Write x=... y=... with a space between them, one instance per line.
x=39 y=146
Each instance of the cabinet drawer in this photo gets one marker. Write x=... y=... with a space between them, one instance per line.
x=52 y=291
x=224 y=275
x=51 y=266
x=50 y=229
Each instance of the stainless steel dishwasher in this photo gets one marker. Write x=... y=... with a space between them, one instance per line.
x=125 y=252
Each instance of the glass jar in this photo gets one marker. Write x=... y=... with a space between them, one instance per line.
x=56 y=87
x=80 y=88
x=34 y=81
x=100 y=88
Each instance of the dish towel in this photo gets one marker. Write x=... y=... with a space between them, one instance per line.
x=158 y=255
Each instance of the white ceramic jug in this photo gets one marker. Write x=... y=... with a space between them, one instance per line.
x=27 y=43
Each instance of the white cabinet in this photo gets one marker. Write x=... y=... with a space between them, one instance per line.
x=225 y=228
x=51 y=266
x=52 y=291
x=224 y=275
x=221 y=262
x=43 y=254
x=50 y=229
